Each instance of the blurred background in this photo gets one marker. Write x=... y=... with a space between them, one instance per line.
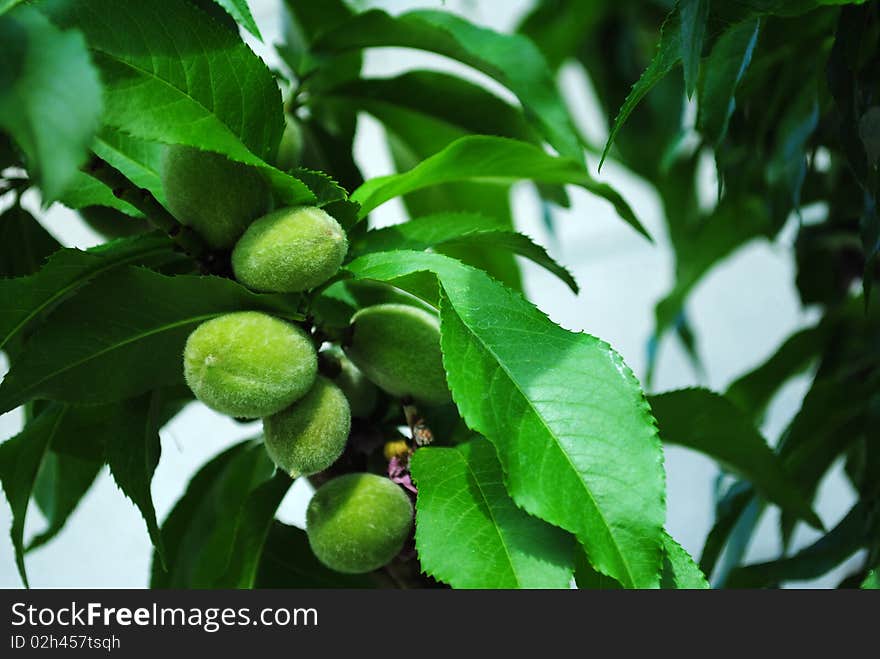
x=741 y=312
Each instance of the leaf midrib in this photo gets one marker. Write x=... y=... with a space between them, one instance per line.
x=185 y=94
x=132 y=161
x=556 y=442
x=115 y=346
x=257 y=160
x=495 y=524
x=64 y=290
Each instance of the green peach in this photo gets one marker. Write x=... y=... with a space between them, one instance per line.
x=215 y=196
x=398 y=348
x=358 y=522
x=310 y=435
x=249 y=364
x=289 y=251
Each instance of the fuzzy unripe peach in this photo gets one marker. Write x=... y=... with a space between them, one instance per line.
x=310 y=435
x=215 y=196
x=249 y=364
x=358 y=522
x=397 y=347
x=289 y=251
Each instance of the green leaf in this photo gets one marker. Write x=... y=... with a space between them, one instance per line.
x=6 y=5
x=24 y=243
x=62 y=481
x=215 y=532
x=753 y=391
x=140 y=160
x=832 y=417
x=180 y=77
x=669 y=47
x=78 y=446
x=741 y=534
x=872 y=581
x=787 y=166
x=414 y=135
x=667 y=57
x=429 y=109
x=693 y=15
x=468 y=229
x=325 y=190
x=679 y=569
x=87 y=191
x=586 y=577
x=707 y=422
x=725 y=67
x=462 y=105
x=65 y=272
x=133 y=452
x=327 y=134
x=304 y=22
x=736 y=508
x=287 y=561
x=854 y=531
x=470 y=533
x=254 y=522
x=558 y=27
x=20 y=460
x=85 y=430
x=511 y=59
x=240 y=11
x=516 y=378
x=50 y=97
x=135 y=348
x=489 y=160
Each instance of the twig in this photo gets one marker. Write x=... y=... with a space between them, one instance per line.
x=144 y=201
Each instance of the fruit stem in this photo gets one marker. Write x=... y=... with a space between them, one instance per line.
x=144 y=201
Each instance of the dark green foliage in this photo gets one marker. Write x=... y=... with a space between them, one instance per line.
x=25 y=244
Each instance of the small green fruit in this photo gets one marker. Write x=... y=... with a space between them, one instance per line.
x=310 y=435
x=358 y=522
x=249 y=364
x=215 y=196
x=398 y=347
x=290 y=149
x=289 y=251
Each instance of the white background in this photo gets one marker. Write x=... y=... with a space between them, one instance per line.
x=740 y=312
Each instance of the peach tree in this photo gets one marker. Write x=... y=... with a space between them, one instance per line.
x=455 y=435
